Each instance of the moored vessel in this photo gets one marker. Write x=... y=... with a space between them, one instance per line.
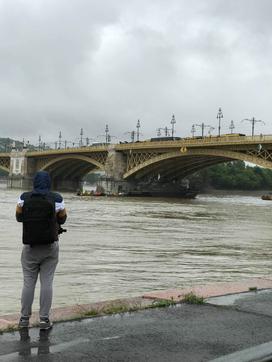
x=267 y=197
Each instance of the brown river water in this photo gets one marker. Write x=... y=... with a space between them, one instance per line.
x=122 y=247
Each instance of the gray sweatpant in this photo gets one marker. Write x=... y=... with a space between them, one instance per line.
x=37 y=260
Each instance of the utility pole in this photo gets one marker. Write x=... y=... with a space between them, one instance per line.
x=173 y=122
x=60 y=139
x=40 y=141
x=166 y=131
x=253 y=121
x=219 y=117
x=202 y=126
x=132 y=136
x=193 y=130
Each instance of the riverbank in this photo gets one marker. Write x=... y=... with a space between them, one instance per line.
x=194 y=295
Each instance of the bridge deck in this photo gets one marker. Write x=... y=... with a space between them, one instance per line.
x=185 y=142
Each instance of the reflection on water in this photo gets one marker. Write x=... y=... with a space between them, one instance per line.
x=120 y=247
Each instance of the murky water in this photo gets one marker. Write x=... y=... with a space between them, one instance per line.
x=120 y=247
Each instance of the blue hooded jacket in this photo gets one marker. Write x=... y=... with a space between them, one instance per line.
x=41 y=183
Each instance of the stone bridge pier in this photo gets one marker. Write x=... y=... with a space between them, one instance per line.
x=115 y=167
x=21 y=170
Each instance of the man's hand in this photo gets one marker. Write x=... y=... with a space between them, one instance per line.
x=19 y=213
x=61 y=217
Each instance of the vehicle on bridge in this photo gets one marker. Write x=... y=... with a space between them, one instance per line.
x=166 y=138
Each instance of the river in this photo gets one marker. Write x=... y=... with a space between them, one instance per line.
x=121 y=247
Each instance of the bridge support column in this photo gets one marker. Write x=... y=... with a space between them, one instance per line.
x=112 y=182
x=21 y=170
x=66 y=185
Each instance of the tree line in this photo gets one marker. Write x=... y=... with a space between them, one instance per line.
x=234 y=175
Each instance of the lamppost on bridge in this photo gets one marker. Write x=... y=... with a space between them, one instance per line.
x=253 y=121
x=219 y=117
x=138 y=130
x=107 y=135
x=173 y=122
x=81 y=137
x=231 y=127
x=136 y=133
x=40 y=142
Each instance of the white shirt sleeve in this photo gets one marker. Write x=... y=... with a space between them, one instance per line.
x=20 y=202
x=58 y=205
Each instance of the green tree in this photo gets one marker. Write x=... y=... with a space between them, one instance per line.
x=233 y=175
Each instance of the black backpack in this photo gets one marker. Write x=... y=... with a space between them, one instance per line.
x=39 y=221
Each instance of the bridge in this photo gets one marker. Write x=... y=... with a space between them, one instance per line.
x=127 y=164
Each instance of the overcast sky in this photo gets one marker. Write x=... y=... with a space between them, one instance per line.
x=67 y=64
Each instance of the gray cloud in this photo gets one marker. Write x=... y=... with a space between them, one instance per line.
x=66 y=65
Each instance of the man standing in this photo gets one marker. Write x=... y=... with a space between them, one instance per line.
x=41 y=213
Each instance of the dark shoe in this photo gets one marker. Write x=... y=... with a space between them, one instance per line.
x=45 y=323
x=23 y=322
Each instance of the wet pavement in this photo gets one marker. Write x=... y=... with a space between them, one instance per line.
x=176 y=333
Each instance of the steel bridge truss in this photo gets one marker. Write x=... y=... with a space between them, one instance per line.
x=187 y=161
x=4 y=162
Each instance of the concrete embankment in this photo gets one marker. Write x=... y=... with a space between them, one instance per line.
x=221 y=322
x=148 y=300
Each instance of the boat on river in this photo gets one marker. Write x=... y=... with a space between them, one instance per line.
x=165 y=189
x=152 y=189
x=267 y=197
x=90 y=193
x=183 y=194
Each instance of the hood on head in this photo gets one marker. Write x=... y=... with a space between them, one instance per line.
x=41 y=183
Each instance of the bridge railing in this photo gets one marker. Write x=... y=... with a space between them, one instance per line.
x=183 y=142
x=196 y=142
x=228 y=139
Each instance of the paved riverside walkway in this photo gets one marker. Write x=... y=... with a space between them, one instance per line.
x=233 y=320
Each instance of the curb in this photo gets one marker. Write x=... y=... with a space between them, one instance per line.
x=260 y=353
x=9 y=323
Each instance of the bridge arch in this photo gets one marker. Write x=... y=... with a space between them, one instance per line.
x=67 y=171
x=186 y=162
x=65 y=158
